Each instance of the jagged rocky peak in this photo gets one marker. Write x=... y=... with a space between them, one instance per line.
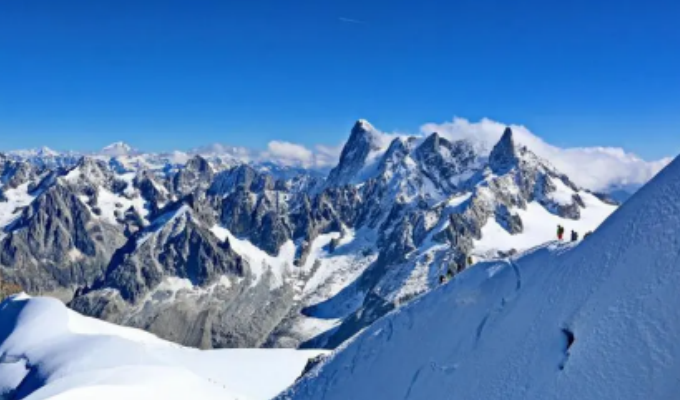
x=176 y=244
x=364 y=132
x=446 y=163
x=56 y=244
x=433 y=140
x=199 y=164
x=90 y=170
x=46 y=152
x=362 y=141
x=244 y=176
x=198 y=173
x=395 y=154
x=459 y=151
x=505 y=154
x=15 y=173
x=432 y=145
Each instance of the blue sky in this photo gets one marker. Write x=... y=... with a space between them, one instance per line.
x=78 y=74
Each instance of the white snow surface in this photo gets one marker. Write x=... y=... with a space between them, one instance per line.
x=116 y=149
x=16 y=199
x=50 y=352
x=259 y=261
x=109 y=203
x=562 y=194
x=540 y=226
x=501 y=330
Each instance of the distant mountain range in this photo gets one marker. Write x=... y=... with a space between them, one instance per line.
x=219 y=247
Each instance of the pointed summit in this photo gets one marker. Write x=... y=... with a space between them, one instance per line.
x=504 y=154
x=46 y=152
x=117 y=149
x=363 y=125
x=363 y=131
x=362 y=141
x=199 y=164
x=432 y=141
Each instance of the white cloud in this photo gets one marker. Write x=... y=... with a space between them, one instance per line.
x=327 y=156
x=297 y=155
x=595 y=168
x=289 y=153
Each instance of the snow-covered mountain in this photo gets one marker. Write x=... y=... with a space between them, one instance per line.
x=50 y=352
x=211 y=251
x=593 y=320
x=118 y=149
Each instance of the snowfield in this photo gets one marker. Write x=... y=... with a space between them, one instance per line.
x=50 y=352
x=540 y=226
x=16 y=200
x=593 y=320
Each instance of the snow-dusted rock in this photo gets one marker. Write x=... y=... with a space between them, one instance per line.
x=210 y=251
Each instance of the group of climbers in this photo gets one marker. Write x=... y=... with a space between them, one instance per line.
x=453 y=268
x=574 y=234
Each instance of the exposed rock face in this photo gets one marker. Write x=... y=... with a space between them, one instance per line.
x=354 y=155
x=505 y=155
x=16 y=173
x=244 y=177
x=180 y=247
x=509 y=221
x=227 y=313
x=444 y=162
x=198 y=174
x=56 y=245
x=232 y=256
x=261 y=217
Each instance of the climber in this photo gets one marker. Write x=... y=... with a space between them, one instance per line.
x=449 y=274
x=560 y=232
x=469 y=260
x=574 y=236
x=442 y=279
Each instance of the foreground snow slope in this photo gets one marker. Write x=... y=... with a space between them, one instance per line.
x=50 y=352
x=595 y=321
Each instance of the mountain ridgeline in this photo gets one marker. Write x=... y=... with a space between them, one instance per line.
x=213 y=254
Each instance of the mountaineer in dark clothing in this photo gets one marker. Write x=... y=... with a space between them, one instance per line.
x=574 y=236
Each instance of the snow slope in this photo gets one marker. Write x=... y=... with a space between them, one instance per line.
x=597 y=320
x=50 y=352
x=16 y=200
x=540 y=225
x=258 y=260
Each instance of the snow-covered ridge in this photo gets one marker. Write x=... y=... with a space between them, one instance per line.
x=593 y=320
x=602 y=169
x=50 y=352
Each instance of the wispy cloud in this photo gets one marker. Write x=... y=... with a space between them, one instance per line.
x=351 y=21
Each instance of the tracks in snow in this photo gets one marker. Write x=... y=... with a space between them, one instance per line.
x=504 y=302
